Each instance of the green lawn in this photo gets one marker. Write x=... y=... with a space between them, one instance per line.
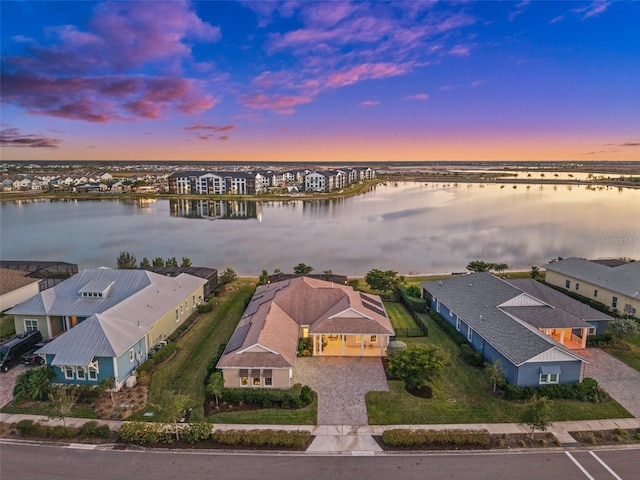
x=399 y=316
x=271 y=416
x=186 y=372
x=461 y=395
x=44 y=409
x=630 y=357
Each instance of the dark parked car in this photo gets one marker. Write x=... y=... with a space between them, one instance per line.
x=30 y=358
x=11 y=350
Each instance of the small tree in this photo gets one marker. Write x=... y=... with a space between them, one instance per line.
x=186 y=262
x=623 y=328
x=215 y=387
x=171 y=408
x=63 y=398
x=537 y=415
x=158 y=262
x=302 y=269
x=535 y=272
x=414 y=291
x=228 y=276
x=171 y=262
x=108 y=384
x=126 y=260
x=417 y=365
x=496 y=374
x=264 y=278
x=145 y=263
x=499 y=267
x=382 y=281
x=479 y=266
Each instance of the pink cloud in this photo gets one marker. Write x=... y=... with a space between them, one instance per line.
x=369 y=103
x=460 y=50
x=281 y=104
x=417 y=96
x=13 y=137
x=364 y=72
x=80 y=74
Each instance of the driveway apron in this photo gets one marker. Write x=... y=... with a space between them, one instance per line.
x=620 y=380
x=341 y=383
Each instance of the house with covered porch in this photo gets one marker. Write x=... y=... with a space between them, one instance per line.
x=339 y=321
x=534 y=331
x=103 y=322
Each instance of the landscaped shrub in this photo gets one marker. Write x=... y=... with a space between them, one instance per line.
x=196 y=432
x=471 y=356
x=586 y=391
x=305 y=347
x=87 y=394
x=204 y=308
x=92 y=429
x=292 y=398
x=449 y=329
x=604 y=340
x=28 y=428
x=262 y=438
x=142 y=433
x=164 y=353
x=59 y=432
x=417 y=305
x=423 y=438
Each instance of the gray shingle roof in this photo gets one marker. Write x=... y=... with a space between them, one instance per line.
x=624 y=279
x=475 y=299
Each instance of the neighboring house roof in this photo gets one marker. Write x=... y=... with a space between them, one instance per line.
x=267 y=335
x=11 y=280
x=479 y=300
x=624 y=279
x=136 y=300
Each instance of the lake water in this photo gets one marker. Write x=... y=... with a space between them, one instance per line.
x=412 y=228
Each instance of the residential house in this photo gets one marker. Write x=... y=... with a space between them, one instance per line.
x=103 y=322
x=340 y=322
x=16 y=287
x=614 y=283
x=531 y=329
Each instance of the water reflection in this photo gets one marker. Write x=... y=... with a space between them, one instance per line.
x=215 y=209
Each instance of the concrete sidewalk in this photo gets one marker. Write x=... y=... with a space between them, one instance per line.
x=358 y=440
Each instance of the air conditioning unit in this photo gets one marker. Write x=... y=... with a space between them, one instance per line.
x=131 y=381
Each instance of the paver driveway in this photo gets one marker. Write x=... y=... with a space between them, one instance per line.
x=7 y=382
x=341 y=383
x=619 y=379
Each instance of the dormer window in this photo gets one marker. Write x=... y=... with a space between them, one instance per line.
x=96 y=289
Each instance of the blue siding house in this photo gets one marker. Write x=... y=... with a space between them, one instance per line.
x=531 y=329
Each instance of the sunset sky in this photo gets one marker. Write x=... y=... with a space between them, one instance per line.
x=320 y=81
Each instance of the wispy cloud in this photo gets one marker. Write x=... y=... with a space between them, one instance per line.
x=369 y=103
x=557 y=19
x=280 y=104
x=213 y=128
x=518 y=9
x=596 y=8
x=416 y=96
x=80 y=74
x=477 y=83
x=13 y=137
x=460 y=50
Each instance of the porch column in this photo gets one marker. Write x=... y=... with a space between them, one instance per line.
x=585 y=332
x=342 y=342
x=383 y=340
x=320 y=343
x=314 y=345
x=67 y=324
x=562 y=336
x=362 y=345
x=49 y=333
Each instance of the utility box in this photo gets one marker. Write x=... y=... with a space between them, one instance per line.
x=131 y=381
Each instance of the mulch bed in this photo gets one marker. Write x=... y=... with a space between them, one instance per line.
x=499 y=441
x=618 y=436
x=424 y=392
x=211 y=445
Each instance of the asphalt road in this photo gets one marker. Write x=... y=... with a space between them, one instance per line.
x=30 y=462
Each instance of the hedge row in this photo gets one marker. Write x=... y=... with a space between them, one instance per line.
x=205 y=307
x=181 y=329
x=449 y=329
x=414 y=304
x=603 y=340
x=471 y=356
x=262 y=438
x=147 y=433
x=296 y=397
x=585 y=391
x=423 y=438
x=29 y=428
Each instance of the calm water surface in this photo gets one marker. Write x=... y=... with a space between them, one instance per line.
x=408 y=227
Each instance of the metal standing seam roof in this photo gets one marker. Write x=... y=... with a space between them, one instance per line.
x=624 y=279
x=475 y=299
x=113 y=331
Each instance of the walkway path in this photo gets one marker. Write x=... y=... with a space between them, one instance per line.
x=619 y=379
x=341 y=383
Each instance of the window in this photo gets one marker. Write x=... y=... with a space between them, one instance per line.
x=549 y=378
x=469 y=333
x=458 y=323
x=30 y=325
x=93 y=374
x=438 y=306
x=567 y=284
x=358 y=338
x=80 y=373
x=244 y=381
x=131 y=357
x=592 y=330
x=177 y=315
x=256 y=381
x=577 y=286
x=305 y=332
x=595 y=292
x=193 y=301
x=268 y=381
x=68 y=373
x=374 y=338
x=614 y=302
